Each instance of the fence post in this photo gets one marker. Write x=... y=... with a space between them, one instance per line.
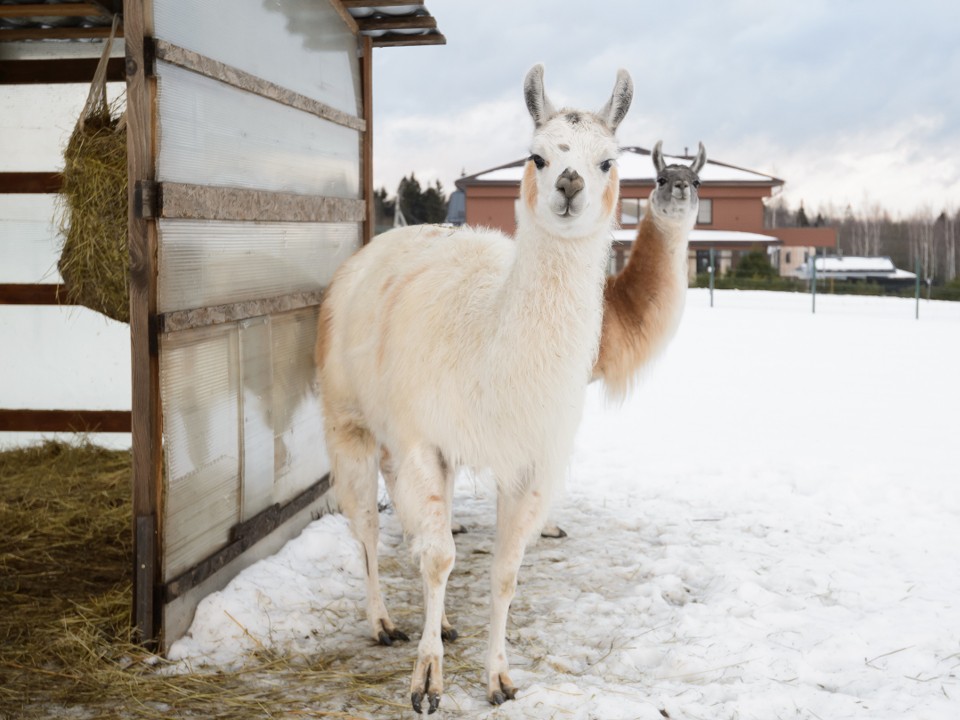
x=916 y=314
x=711 y=277
x=813 y=284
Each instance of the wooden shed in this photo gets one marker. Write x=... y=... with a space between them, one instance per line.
x=249 y=181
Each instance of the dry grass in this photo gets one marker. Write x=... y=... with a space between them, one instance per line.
x=65 y=650
x=93 y=218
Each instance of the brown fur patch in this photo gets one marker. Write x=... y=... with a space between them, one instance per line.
x=612 y=191
x=529 y=185
x=324 y=328
x=639 y=306
x=391 y=290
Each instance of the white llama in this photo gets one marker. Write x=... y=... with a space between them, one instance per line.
x=466 y=347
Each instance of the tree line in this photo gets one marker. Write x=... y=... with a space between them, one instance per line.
x=932 y=239
x=417 y=204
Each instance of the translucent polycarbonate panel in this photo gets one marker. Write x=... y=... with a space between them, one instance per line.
x=204 y=263
x=214 y=134
x=29 y=241
x=199 y=385
x=301 y=457
x=257 y=371
x=302 y=45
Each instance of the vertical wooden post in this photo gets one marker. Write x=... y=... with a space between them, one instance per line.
x=366 y=81
x=145 y=418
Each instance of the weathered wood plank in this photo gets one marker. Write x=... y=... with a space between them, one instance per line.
x=234 y=77
x=183 y=201
x=145 y=368
x=33 y=294
x=75 y=9
x=112 y=421
x=244 y=536
x=403 y=22
x=349 y=4
x=346 y=16
x=233 y=312
x=58 y=33
x=366 y=141
x=57 y=71
x=396 y=40
x=30 y=182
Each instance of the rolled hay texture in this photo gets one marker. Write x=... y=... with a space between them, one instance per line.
x=93 y=221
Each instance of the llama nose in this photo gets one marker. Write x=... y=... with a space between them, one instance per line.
x=569 y=183
x=681 y=188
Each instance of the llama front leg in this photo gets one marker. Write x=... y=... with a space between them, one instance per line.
x=519 y=517
x=354 y=470
x=421 y=497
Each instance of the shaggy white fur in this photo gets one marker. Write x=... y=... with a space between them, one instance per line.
x=439 y=348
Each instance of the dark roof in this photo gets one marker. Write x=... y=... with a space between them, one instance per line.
x=388 y=23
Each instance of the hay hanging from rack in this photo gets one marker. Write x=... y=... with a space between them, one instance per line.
x=94 y=259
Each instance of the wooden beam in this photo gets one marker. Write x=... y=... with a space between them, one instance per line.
x=244 y=536
x=33 y=294
x=146 y=421
x=366 y=142
x=177 y=320
x=58 y=33
x=230 y=75
x=350 y=4
x=203 y=202
x=51 y=72
x=397 y=40
x=65 y=421
x=347 y=18
x=75 y=9
x=407 y=22
x=30 y=182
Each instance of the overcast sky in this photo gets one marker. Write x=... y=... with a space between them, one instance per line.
x=848 y=101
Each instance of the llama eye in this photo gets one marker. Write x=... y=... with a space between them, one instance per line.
x=606 y=165
x=538 y=161
x=696 y=183
x=661 y=181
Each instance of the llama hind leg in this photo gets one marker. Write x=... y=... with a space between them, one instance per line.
x=353 y=452
x=421 y=500
x=519 y=517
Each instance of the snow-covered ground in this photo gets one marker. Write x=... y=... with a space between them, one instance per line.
x=769 y=528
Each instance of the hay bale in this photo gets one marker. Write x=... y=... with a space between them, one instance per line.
x=94 y=261
x=93 y=203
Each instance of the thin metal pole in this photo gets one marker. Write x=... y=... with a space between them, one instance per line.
x=813 y=284
x=917 y=292
x=711 y=277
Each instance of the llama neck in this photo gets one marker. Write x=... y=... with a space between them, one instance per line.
x=644 y=302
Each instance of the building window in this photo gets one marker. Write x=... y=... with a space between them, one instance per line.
x=631 y=210
x=705 y=216
x=703 y=261
x=786 y=257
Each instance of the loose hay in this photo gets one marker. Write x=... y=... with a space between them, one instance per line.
x=65 y=633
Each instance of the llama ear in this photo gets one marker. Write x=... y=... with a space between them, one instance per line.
x=658 y=162
x=700 y=160
x=539 y=105
x=618 y=104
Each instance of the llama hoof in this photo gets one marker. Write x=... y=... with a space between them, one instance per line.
x=433 y=702
x=458 y=529
x=449 y=634
x=389 y=633
x=426 y=684
x=553 y=531
x=506 y=691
